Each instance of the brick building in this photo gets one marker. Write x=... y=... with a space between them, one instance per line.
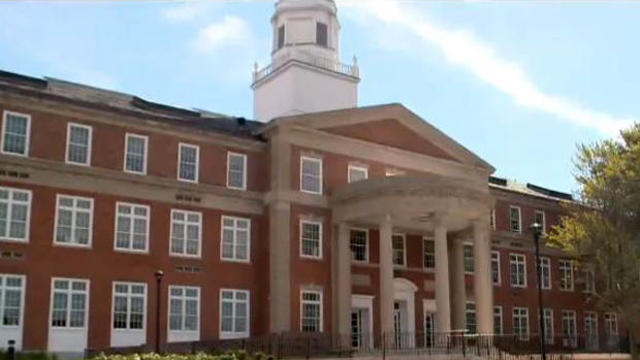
x=321 y=217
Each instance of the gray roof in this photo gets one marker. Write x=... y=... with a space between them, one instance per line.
x=116 y=101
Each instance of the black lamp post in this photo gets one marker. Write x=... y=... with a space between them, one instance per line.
x=537 y=231
x=159 y=275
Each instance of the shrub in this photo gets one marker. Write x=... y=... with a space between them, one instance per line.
x=239 y=355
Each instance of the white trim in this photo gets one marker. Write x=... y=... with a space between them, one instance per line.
x=404 y=250
x=89 y=143
x=524 y=262
x=364 y=302
x=197 y=166
x=184 y=335
x=244 y=170
x=186 y=214
x=28 y=219
x=511 y=207
x=572 y=317
x=115 y=228
x=146 y=153
x=318 y=292
x=594 y=316
x=27 y=135
x=89 y=243
x=513 y=320
x=235 y=228
x=357 y=168
x=546 y=259
x=562 y=275
x=501 y=323
x=235 y=334
x=75 y=333
x=127 y=336
x=320 y=234
x=366 y=249
x=320 y=176
x=496 y=252
x=466 y=245
x=14 y=332
x=551 y=335
x=424 y=240
x=544 y=219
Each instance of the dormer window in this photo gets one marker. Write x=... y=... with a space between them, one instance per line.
x=321 y=34
x=280 y=43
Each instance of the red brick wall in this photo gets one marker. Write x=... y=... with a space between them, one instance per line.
x=49 y=136
x=102 y=265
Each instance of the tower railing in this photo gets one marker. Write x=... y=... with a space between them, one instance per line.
x=309 y=59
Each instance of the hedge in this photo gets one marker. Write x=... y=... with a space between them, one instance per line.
x=239 y=355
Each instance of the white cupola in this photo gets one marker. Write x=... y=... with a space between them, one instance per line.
x=305 y=74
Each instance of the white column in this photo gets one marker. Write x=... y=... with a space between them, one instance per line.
x=483 y=286
x=458 y=291
x=443 y=315
x=342 y=294
x=386 y=276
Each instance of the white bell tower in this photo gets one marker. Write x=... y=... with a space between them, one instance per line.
x=305 y=74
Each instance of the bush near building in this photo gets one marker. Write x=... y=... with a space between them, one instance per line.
x=239 y=355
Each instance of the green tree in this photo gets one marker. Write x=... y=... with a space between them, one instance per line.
x=602 y=229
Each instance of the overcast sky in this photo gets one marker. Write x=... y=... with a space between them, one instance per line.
x=520 y=83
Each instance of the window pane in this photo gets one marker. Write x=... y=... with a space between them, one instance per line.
x=15 y=134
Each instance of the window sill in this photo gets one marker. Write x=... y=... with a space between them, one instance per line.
x=132 y=252
x=228 y=336
x=12 y=240
x=72 y=246
x=185 y=256
x=235 y=261
x=312 y=258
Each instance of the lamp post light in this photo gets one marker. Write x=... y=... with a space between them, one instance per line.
x=536 y=228
x=159 y=275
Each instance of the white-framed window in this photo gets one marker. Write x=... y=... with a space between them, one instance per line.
x=591 y=330
x=589 y=281
x=129 y=306
x=468 y=258
x=611 y=325
x=78 y=144
x=236 y=171
x=132 y=227
x=497 y=320
x=16 y=130
x=236 y=239
x=548 y=325
x=11 y=300
x=428 y=253
x=545 y=273
x=311 y=175
x=74 y=221
x=184 y=309
x=186 y=233
x=521 y=323
x=518 y=266
x=234 y=314
x=515 y=219
x=569 y=328
x=399 y=246
x=15 y=213
x=496 y=276
x=135 y=153
x=359 y=243
x=470 y=316
x=357 y=173
x=311 y=239
x=188 y=162
x=540 y=217
x=69 y=303
x=566 y=274
x=310 y=311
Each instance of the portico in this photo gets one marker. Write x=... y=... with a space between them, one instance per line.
x=447 y=209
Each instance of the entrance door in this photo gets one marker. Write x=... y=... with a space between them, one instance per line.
x=429 y=330
x=400 y=323
x=360 y=332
